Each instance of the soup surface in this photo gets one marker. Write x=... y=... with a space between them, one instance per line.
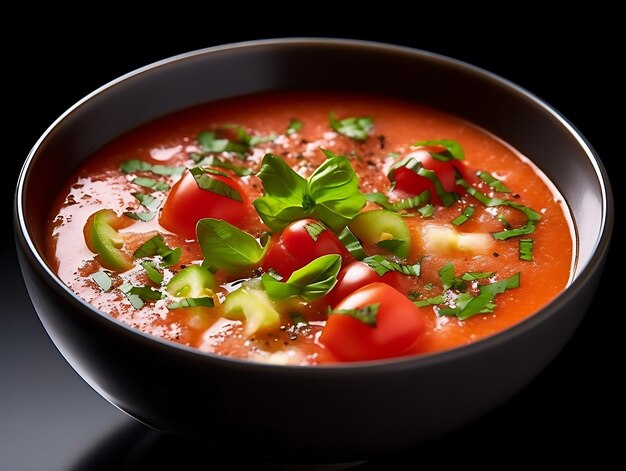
x=309 y=228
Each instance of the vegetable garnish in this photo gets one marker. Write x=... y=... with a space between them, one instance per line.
x=464 y=217
x=312 y=281
x=452 y=149
x=205 y=182
x=331 y=194
x=214 y=161
x=138 y=295
x=192 y=302
x=103 y=280
x=427 y=210
x=430 y=301
x=314 y=229
x=134 y=165
x=468 y=306
x=295 y=125
x=493 y=182
x=151 y=183
x=411 y=163
x=476 y=275
x=350 y=242
x=532 y=215
x=381 y=266
x=357 y=128
x=449 y=280
x=226 y=246
x=102 y=237
x=156 y=246
x=405 y=203
x=153 y=273
x=230 y=138
x=366 y=314
x=526 y=249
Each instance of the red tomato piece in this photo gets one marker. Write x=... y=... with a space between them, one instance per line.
x=355 y=275
x=399 y=324
x=294 y=248
x=186 y=204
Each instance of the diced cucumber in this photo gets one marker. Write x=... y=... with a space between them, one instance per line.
x=373 y=227
x=192 y=282
x=102 y=238
x=251 y=305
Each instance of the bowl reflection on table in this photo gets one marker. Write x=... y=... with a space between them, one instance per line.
x=338 y=413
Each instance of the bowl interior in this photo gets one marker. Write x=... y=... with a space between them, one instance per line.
x=479 y=97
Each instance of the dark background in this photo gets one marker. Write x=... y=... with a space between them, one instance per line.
x=50 y=419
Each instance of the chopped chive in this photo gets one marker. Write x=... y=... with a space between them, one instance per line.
x=295 y=125
x=464 y=217
x=153 y=273
x=526 y=249
x=427 y=210
x=493 y=182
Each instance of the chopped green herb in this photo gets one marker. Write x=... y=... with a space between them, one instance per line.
x=138 y=295
x=464 y=217
x=527 y=228
x=149 y=202
x=392 y=245
x=103 y=280
x=411 y=163
x=427 y=210
x=192 y=302
x=298 y=320
x=331 y=194
x=145 y=217
x=430 y=301
x=134 y=165
x=329 y=154
x=366 y=314
x=405 y=203
x=449 y=280
x=151 y=183
x=503 y=221
x=214 y=161
x=312 y=281
x=153 y=273
x=526 y=249
x=493 y=182
x=476 y=275
x=156 y=246
x=357 y=128
x=350 y=242
x=240 y=142
x=295 y=125
x=314 y=229
x=205 y=182
x=381 y=266
x=226 y=246
x=453 y=150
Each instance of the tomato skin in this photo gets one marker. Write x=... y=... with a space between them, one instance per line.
x=408 y=182
x=399 y=325
x=355 y=275
x=186 y=204
x=294 y=248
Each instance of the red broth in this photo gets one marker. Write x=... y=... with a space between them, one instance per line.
x=397 y=126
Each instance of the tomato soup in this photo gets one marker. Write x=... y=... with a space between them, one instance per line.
x=311 y=228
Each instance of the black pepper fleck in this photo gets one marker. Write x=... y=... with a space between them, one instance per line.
x=381 y=142
x=496 y=254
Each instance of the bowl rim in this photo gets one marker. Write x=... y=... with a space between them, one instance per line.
x=425 y=360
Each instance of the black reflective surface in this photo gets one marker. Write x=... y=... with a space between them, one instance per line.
x=50 y=419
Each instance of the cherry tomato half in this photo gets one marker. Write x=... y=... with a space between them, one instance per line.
x=295 y=247
x=399 y=324
x=186 y=204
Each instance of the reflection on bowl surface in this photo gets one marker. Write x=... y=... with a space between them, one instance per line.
x=344 y=413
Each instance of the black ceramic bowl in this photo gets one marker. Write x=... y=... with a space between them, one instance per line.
x=309 y=414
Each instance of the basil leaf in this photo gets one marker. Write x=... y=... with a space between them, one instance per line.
x=493 y=182
x=331 y=194
x=151 y=183
x=464 y=217
x=226 y=246
x=314 y=229
x=312 y=281
x=156 y=246
x=476 y=275
x=134 y=165
x=381 y=266
x=526 y=249
x=213 y=161
x=192 y=302
x=350 y=242
x=329 y=154
x=430 y=301
x=357 y=128
x=487 y=293
x=155 y=275
x=446 y=275
x=295 y=125
x=390 y=244
x=145 y=217
x=149 y=202
x=405 y=203
x=453 y=149
x=205 y=182
x=528 y=228
x=366 y=314
x=137 y=295
x=103 y=280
